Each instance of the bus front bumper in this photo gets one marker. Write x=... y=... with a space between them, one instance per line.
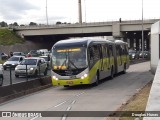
x=70 y=82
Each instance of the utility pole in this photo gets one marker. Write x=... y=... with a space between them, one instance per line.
x=142 y=34
x=46 y=13
x=80 y=11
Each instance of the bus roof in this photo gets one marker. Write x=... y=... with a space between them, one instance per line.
x=120 y=42
x=79 y=41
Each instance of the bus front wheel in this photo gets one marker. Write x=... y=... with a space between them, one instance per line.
x=97 y=80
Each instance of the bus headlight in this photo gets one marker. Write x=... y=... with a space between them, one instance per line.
x=84 y=76
x=54 y=77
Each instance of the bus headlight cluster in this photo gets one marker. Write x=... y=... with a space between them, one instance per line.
x=84 y=76
x=54 y=77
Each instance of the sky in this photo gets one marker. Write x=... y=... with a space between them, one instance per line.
x=26 y=11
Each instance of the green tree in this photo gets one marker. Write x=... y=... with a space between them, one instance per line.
x=15 y=24
x=32 y=23
x=57 y=23
x=3 y=24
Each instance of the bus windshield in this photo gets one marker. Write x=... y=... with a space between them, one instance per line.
x=69 y=58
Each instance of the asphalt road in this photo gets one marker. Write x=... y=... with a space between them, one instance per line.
x=7 y=79
x=109 y=95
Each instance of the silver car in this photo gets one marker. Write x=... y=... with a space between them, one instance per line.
x=18 y=54
x=1 y=75
x=13 y=62
x=34 y=65
x=47 y=60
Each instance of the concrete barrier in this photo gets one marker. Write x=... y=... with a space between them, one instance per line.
x=153 y=104
x=16 y=90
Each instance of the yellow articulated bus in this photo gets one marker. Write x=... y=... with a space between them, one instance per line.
x=87 y=60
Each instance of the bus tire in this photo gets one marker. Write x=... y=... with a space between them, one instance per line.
x=112 y=73
x=124 y=69
x=97 y=79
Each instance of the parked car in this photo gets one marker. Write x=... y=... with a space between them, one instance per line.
x=47 y=60
x=35 y=66
x=145 y=53
x=3 y=56
x=33 y=53
x=133 y=54
x=18 y=54
x=43 y=51
x=1 y=74
x=13 y=62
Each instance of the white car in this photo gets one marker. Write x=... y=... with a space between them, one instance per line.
x=13 y=62
x=1 y=74
x=43 y=51
x=18 y=54
x=35 y=66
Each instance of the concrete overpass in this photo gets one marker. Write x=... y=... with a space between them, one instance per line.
x=115 y=28
x=129 y=31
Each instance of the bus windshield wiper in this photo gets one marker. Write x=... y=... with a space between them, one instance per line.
x=63 y=63
x=73 y=64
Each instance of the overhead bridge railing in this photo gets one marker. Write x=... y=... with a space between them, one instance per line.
x=153 y=104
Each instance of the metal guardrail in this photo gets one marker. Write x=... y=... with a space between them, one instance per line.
x=14 y=90
x=38 y=75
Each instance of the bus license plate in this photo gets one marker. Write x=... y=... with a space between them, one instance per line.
x=73 y=77
x=69 y=82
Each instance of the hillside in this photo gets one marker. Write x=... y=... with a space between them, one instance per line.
x=8 y=37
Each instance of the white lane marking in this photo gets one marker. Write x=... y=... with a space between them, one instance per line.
x=80 y=94
x=68 y=108
x=64 y=117
x=73 y=102
x=60 y=104
x=34 y=118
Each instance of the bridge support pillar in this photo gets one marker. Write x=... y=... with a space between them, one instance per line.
x=116 y=30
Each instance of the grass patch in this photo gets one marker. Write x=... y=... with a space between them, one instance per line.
x=137 y=102
x=8 y=37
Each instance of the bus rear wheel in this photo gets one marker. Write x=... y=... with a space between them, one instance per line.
x=112 y=73
x=124 y=69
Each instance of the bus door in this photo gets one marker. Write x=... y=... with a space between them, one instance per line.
x=109 y=56
x=119 y=55
x=101 y=57
x=91 y=57
x=126 y=52
x=106 y=61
